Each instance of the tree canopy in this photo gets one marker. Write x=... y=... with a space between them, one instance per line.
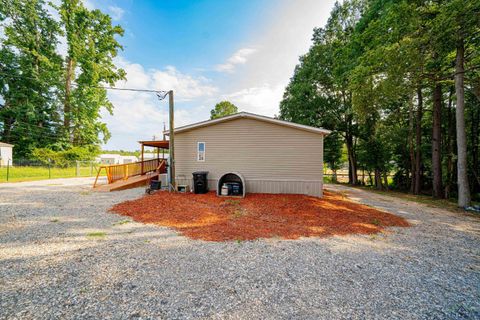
x=222 y=109
x=47 y=99
x=398 y=82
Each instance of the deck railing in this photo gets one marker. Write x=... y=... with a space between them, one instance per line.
x=117 y=172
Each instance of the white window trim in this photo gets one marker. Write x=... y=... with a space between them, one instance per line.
x=198 y=151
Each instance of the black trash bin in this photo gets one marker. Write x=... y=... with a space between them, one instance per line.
x=200 y=182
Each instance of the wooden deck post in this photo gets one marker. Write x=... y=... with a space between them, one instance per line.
x=141 y=170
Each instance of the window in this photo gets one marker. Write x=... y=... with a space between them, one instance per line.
x=201 y=151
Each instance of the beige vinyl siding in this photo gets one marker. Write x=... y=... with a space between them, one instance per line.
x=272 y=158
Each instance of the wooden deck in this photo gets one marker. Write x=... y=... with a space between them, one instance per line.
x=130 y=175
x=132 y=182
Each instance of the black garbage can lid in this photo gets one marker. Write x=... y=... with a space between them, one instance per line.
x=200 y=172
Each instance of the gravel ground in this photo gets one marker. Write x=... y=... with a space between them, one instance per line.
x=63 y=256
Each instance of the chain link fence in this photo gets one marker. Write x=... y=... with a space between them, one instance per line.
x=29 y=170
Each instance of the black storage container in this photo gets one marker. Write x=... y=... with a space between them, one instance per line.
x=236 y=189
x=229 y=186
x=200 y=182
x=155 y=184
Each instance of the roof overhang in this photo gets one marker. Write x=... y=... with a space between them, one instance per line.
x=4 y=144
x=251 y=116
x=164 y=144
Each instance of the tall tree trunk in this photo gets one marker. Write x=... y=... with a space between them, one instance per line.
x=378 y=179
x=352 y=161
x=7 y=129
x=411 y=147
x=450 y=152
x=463 y=186
x=436 y=141
x=418 y=142
x=475 y=119
x=66 y=105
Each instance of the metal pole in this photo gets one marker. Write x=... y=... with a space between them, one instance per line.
x=8 y=168
x=49 y=172
x=163 y=149
x=172 y=141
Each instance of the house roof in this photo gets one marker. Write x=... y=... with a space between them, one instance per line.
x=248 y=115
x=3 y=144
x=155 y=143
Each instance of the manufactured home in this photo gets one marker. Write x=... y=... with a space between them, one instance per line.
x=264 y=155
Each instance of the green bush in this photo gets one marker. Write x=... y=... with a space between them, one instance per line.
x=64 y=157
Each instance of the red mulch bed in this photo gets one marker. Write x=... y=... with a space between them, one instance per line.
x=208 y=217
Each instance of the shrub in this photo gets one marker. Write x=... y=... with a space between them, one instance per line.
x=64 y=157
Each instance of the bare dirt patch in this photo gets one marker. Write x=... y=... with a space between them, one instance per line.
x=208 y=217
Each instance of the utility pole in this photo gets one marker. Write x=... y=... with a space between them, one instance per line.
x=171 y=142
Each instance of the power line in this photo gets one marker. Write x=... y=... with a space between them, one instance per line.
x=49 y=125
x=53 y=132
x=28 y=129
x=161 y=94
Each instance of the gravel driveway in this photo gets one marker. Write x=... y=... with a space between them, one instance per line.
x=63 y=256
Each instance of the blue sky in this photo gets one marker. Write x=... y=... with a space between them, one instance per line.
x=206 y=51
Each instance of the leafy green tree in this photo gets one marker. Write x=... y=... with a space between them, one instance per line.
x=47 y=100
x=92 y=45
x=400 y=80
x=318 y=93
x=29 y=74
x=383 y=88
x=458 y=23
x=65 y=157
x=332 y=152
x=222 y=109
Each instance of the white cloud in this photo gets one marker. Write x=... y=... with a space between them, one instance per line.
x=260 y=100
x=259 y=85
x=5 y=23
x=139 y=115
x=268 y=61
x=239 y=57
x=89 y=4
x=116 y=12
x=185 y=87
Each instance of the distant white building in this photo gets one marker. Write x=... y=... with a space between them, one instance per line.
x=128 y=159
x=111 y=158
x=150 y=155
x=6 y=153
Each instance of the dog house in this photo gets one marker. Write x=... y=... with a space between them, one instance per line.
x=235 y=183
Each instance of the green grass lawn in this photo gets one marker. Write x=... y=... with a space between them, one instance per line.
x=30 y=173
